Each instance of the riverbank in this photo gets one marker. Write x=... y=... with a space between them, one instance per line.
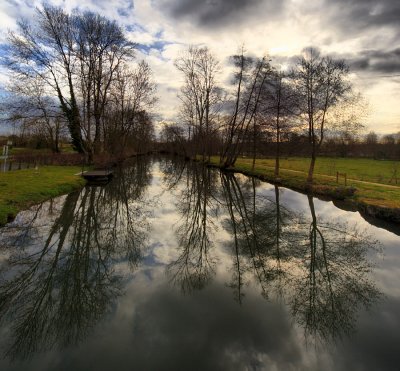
x=377 y=200
x=22 y=188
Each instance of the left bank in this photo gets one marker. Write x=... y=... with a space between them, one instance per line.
x=21 y=189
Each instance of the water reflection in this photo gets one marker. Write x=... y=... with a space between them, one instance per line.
x=333 y=282
x=60 y=277
x=66 y=264
x=319 y=268
x=257 y=224
x=195 y=265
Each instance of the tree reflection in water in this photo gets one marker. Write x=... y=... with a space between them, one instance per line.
x=319 y=268
x=65 y=260
x=333 y=282
x=60 y=278
x=195 y=265
x=259 y=228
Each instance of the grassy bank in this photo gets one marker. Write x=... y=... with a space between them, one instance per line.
x=22 y=188
x=363 y=175
x=363 y=169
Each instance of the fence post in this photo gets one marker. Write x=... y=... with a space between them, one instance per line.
x=337 y=177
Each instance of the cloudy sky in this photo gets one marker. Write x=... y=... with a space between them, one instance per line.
x=364 y=32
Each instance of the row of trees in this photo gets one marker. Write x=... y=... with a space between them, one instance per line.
x=315 y=96
x=370 y=145
x=75 y=75
x=77 y=72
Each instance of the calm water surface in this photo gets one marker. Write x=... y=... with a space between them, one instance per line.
x=173 y=266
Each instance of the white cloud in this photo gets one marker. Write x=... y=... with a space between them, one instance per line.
x=283 y=31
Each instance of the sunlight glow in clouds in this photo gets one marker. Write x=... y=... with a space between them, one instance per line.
x=364 y=32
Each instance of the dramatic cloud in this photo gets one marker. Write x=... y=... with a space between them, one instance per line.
x=377 y=61
x=366 y=14
x=364 y=32
x=220 y=13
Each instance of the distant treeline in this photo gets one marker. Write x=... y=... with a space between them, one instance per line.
x=296 y=145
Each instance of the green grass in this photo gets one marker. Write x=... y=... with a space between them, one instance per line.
x=293 y=174
x=369 y=170
x=23 y=188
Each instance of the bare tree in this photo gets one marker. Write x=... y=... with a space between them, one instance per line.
x=371 y=138
x=347 y=122
x=250 y=78
x=77 y=56
x=323 y=85
x=33 y=110
x=132 y=96
x=173 y=138
x=101 y=50
x=200 y=94
x=389 y=139
x=279 y=107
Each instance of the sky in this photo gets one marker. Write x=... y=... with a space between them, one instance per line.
x=365 y=33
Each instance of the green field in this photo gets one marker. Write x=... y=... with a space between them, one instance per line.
x=376 y=171
x=362 y=174
x=22 y=188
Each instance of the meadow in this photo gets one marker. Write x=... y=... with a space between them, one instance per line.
x=374 y=181
x=21 y=188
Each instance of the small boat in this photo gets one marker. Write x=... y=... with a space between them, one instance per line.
x=98 y=176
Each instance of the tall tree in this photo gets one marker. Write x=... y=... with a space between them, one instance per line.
x=323 y=85
x=200 y=94
x=77 y=56
x=249 y=79
x=127 y=123
x=279 y=107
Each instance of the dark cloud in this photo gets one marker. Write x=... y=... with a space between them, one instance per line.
x=346 y=15
x=213 y=337
x=364 y=14
x=377 y=61
x=220 y=13
x=374 y=22
x=374 y=61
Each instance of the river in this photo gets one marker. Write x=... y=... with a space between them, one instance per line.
x=175 y=266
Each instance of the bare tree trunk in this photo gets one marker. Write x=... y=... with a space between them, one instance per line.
x=310 y=176
x=277 y=155
x=254 y=145
x=278 y=133
x=276 y=173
